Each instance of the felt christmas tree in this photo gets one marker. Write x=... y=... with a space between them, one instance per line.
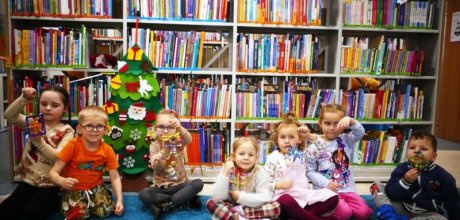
x=132 y=111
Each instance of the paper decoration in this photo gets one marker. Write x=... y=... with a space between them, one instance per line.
x=294 y=154
x=135 y=53
x=132 y=86
x=122 y=66
x=134 y=93
x=115 y=83
x=115 y=132
x=137 y=111
x=144 y=87
x=171 y=145
x=35 y=125
x=110 y=107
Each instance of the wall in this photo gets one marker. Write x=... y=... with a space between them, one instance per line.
x=448 y=105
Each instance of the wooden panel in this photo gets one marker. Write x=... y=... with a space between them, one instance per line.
x=448 y=104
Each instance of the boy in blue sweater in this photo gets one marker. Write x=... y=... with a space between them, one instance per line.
x=418 y=188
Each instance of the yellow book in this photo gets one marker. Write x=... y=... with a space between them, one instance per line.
x=386 y=93
x=25 y=47
x=200 y=53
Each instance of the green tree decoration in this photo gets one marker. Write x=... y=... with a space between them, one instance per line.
x=132 y=110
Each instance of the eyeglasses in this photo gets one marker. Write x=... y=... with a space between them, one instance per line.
x=164 y=127
x=92 y=127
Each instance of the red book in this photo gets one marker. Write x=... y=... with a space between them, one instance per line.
x=282 y=49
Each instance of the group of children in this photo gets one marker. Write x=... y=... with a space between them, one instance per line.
x=59 y=163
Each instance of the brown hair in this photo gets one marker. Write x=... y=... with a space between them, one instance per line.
x=423 y=134
x=240 y=141
x=333 y=108
x=289 y=119
x=64 y=97
x=91 y=111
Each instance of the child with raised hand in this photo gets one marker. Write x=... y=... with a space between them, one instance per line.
x=241 y=190
x=328 y=161
x=171 y=188
x=36 y=197
x=286 y=169
x=418 y=188
x=80 y=167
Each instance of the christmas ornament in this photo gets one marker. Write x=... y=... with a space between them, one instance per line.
x=110 y=107
x=115 y=83
x=122 y=117
x=137 y=111
x=122 y=66
x=144 y=87
x=115 y=132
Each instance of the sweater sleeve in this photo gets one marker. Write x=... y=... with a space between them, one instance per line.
x=50 y=152
x=312 y=167
x=262 y=192
x=397 y=189
x=270 y=169
x=356 y=134
x=221 y=187
x=13 y=112
x=450 y=196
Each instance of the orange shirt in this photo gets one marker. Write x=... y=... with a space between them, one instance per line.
x=86 y=166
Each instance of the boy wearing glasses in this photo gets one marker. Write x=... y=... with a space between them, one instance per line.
x=80 y=166
x=171 y=188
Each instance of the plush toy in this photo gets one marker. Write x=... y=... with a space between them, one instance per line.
x=367 y=82
x=102 y=60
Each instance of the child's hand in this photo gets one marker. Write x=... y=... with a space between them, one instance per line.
x=175 y=123
x=305 y=132
x=235 y=195
x=227 y=167
x=284 y=184
x=345 y=123
x=119 y=209
x=334 y=186
x=159 y=157
x=411 y=175
x=68 y=182
x=29 y=93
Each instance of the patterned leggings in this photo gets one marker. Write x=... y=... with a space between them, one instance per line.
x=80 y=204
x=225 y=210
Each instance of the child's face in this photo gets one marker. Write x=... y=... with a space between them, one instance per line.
x=163 y=125
x=329 y=125
x=288 y=136
x=51 y=106
x=245 y=156
x=423 y=147
x=92 y=129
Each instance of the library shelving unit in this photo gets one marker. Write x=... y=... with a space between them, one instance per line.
x=3 y=94
x=325 y=29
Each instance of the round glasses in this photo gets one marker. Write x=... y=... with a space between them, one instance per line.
x=92 y=127
x=165 y=128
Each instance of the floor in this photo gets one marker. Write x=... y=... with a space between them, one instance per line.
x=448 y=157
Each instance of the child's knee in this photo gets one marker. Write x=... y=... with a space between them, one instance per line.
x=363 y=213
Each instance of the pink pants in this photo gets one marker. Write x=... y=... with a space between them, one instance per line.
x=352 y=205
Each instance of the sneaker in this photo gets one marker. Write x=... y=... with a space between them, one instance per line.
x=195 y=202
x=387 y=212
x=155 y=211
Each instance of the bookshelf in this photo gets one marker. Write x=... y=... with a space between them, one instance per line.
x=3 y=94
x=224 y=59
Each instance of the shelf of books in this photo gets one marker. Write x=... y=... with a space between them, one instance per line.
x=3 y=93
x=233 y=67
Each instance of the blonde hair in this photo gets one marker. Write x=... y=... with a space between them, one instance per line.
x=289 y=119
x=242 y=140
x=167 y=112
x=92 y=111
x=332 y=108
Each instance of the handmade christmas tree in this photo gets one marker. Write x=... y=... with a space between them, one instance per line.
x=132 y=111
